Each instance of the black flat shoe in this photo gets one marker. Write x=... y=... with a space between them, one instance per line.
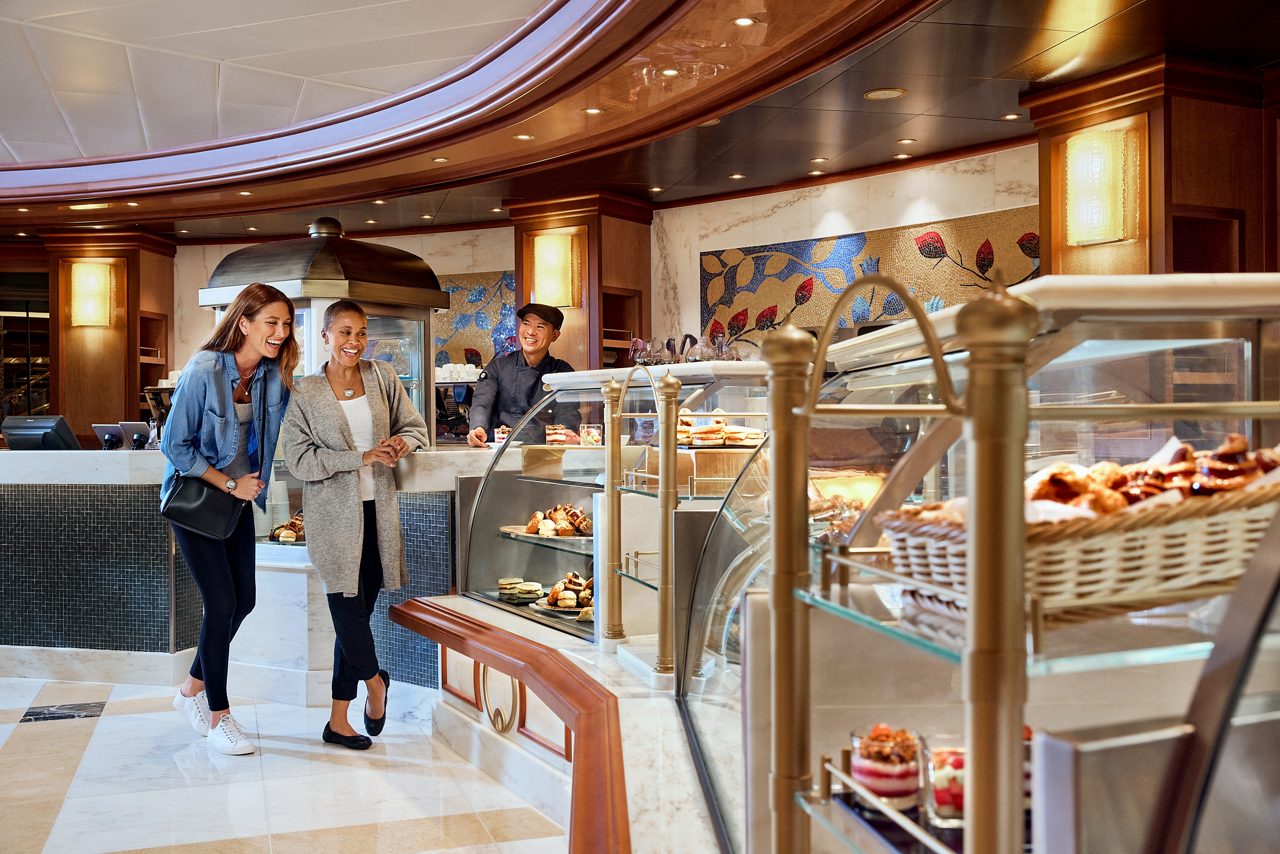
x=374 y=726
x=354 y=742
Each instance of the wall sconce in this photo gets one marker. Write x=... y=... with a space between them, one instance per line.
x=557 y=270
x=91 y=294
x=1102 y=196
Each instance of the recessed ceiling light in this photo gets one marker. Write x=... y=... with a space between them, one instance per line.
x=426 y=216
x=744 y=21
x=523 y=137
x=1011 y=117
x=88 y=206
x=906 y=140
x=24 y=210
x=439 y=160
x=885 y=94
x=817 y=159
x=670 y=72
x=655 y=189
x=379 y=202
x=99 y=226
x=245 y=193
x=184 y=231
x=903 y=156
x=816 y=172
x=370 y=222
x=709 y=123
x=132 y=204
x=22 y=234
x=593 y=111
x=736 y=176
x=252 y=228
x=496 y=210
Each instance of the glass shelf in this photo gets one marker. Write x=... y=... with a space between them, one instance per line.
x=573 y=545
x=632 y=490
x=1172 y=634
x=566 y=481
x=644 y=582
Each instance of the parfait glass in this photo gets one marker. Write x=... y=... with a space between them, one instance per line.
x=944 y=780
x=887 y=761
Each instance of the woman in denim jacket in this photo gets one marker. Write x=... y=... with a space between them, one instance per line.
x=234 y=387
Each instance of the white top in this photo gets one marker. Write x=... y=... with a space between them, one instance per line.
x=360 y=420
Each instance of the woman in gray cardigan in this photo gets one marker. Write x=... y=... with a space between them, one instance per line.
x=346 y=426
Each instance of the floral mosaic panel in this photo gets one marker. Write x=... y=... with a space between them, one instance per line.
x=750 y=290
x=481 y=320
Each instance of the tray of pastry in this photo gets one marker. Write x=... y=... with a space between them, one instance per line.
x=569 y=597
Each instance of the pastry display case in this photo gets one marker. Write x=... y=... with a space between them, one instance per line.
x=1150 y=377
x=540 y=521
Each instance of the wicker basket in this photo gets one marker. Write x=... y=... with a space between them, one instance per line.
x=1082 y=563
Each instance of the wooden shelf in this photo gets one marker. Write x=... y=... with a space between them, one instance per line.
x=151 y=360
x=616 y=344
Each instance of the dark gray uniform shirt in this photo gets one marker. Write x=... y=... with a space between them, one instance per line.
x=508 y=388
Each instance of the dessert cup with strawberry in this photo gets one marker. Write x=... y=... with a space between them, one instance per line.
x=944 y=795
x=887 y=761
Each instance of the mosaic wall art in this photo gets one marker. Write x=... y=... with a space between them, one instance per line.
x=749 y=290
x=481 y=322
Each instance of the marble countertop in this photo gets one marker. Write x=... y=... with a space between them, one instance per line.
x=665 y=804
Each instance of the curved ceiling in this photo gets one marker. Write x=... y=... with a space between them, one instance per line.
x=98 y=78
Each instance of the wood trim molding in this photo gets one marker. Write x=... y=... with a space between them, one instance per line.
x=587 y=204
x=598 y=812
x=449 y=689
x=114 y=241
x=564 y=750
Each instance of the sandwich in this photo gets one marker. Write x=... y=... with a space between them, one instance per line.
x=740 y=436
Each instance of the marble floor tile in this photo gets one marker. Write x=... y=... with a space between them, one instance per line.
x=48 y=738
x=17 y=695
x=36 y=778
x=164 y=817
x=55 y=693
x=27 y=823
x=248 y=845
x=393 y=837
x=63 y=711
x=517 y=824
x=5 y=729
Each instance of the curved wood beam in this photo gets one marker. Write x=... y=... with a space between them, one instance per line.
x=574 y=53
x=598 y=800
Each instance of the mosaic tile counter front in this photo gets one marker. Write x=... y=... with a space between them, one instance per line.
x=87 y=566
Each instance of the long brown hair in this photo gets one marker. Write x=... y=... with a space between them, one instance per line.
x=227 y=337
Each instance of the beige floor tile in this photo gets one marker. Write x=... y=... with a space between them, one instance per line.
x=11 y=716
x=36 y=778
x=138 y=706
x=517 y=824
x=392 y=837
x=48 y=738
x=27 y=823
x=57 y=693
x=247 y=845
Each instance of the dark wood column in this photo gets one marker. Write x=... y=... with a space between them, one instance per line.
x=99 y=372
x=613 y=243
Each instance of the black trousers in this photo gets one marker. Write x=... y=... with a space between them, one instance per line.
x=354 y=656
x=224 y=573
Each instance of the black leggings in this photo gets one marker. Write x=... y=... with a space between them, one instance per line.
x=224 y=572
x=354 y=656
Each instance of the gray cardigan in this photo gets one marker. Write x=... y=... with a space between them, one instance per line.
x=319 y=451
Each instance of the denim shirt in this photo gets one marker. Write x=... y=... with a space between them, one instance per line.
x=202 y=432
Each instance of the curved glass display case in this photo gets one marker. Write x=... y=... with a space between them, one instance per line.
x=1098 y=345
x=514 y=558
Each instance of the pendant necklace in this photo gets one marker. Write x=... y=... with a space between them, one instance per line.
x=348 y=392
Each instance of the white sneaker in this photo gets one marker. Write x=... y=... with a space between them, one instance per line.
x=196 y=710
x=227 y=737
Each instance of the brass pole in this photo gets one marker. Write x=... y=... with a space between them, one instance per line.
x=668 y=498
x=612 y=392
x=789 y=352
x=996 y=331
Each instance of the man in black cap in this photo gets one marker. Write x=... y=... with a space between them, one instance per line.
x=512 y=383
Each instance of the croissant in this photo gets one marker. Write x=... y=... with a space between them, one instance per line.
x=1061 y=484
x=534 y=520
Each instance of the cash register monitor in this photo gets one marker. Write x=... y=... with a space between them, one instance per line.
x=38 y=433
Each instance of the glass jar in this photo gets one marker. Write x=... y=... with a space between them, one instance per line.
x=887 y=761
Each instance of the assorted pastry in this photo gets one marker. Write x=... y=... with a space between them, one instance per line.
x=563 y=520
x=501 y=433
x=572 y=591
x=558 y=434
x=713 y=431
x=290 y=532
x=591 y=435
x=887 y=761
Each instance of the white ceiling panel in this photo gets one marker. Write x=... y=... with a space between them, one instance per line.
x=242 y=119
x=353 y=26
x=396 y=78
x=320 y=99
x=226 y=45
x=27 y=108
x=40 y=10
x=177 y=97
x=37 y=152
x=103 y=124
x=76 y=64
x=398 y=50
x=6 y=156
x=250 y=86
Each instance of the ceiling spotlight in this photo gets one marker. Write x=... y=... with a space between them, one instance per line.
x=184 y=231
x=709 y=123
x=744 y=21
x=523 y=137
x=886 y=94
x=379 y=202
x=99 y=226
x=736 y=176
x=426 y=216
x=655 y=189
x=906 y=140
x=1011 y=117
x=370 y=222
x=816 y=172
x=252 y=228
x=22 y=234
x=593 y=111
x=245 y=193
x=439 y=160
x=132 y=204
x=24 y=210
x=818 y=159
x=496 y=210
x=903 y=156
x=670 y=72
x=88 y=206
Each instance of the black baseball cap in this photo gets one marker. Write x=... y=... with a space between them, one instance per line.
x=549 y=313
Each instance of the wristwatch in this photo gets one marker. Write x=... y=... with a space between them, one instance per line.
x=231 y=484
